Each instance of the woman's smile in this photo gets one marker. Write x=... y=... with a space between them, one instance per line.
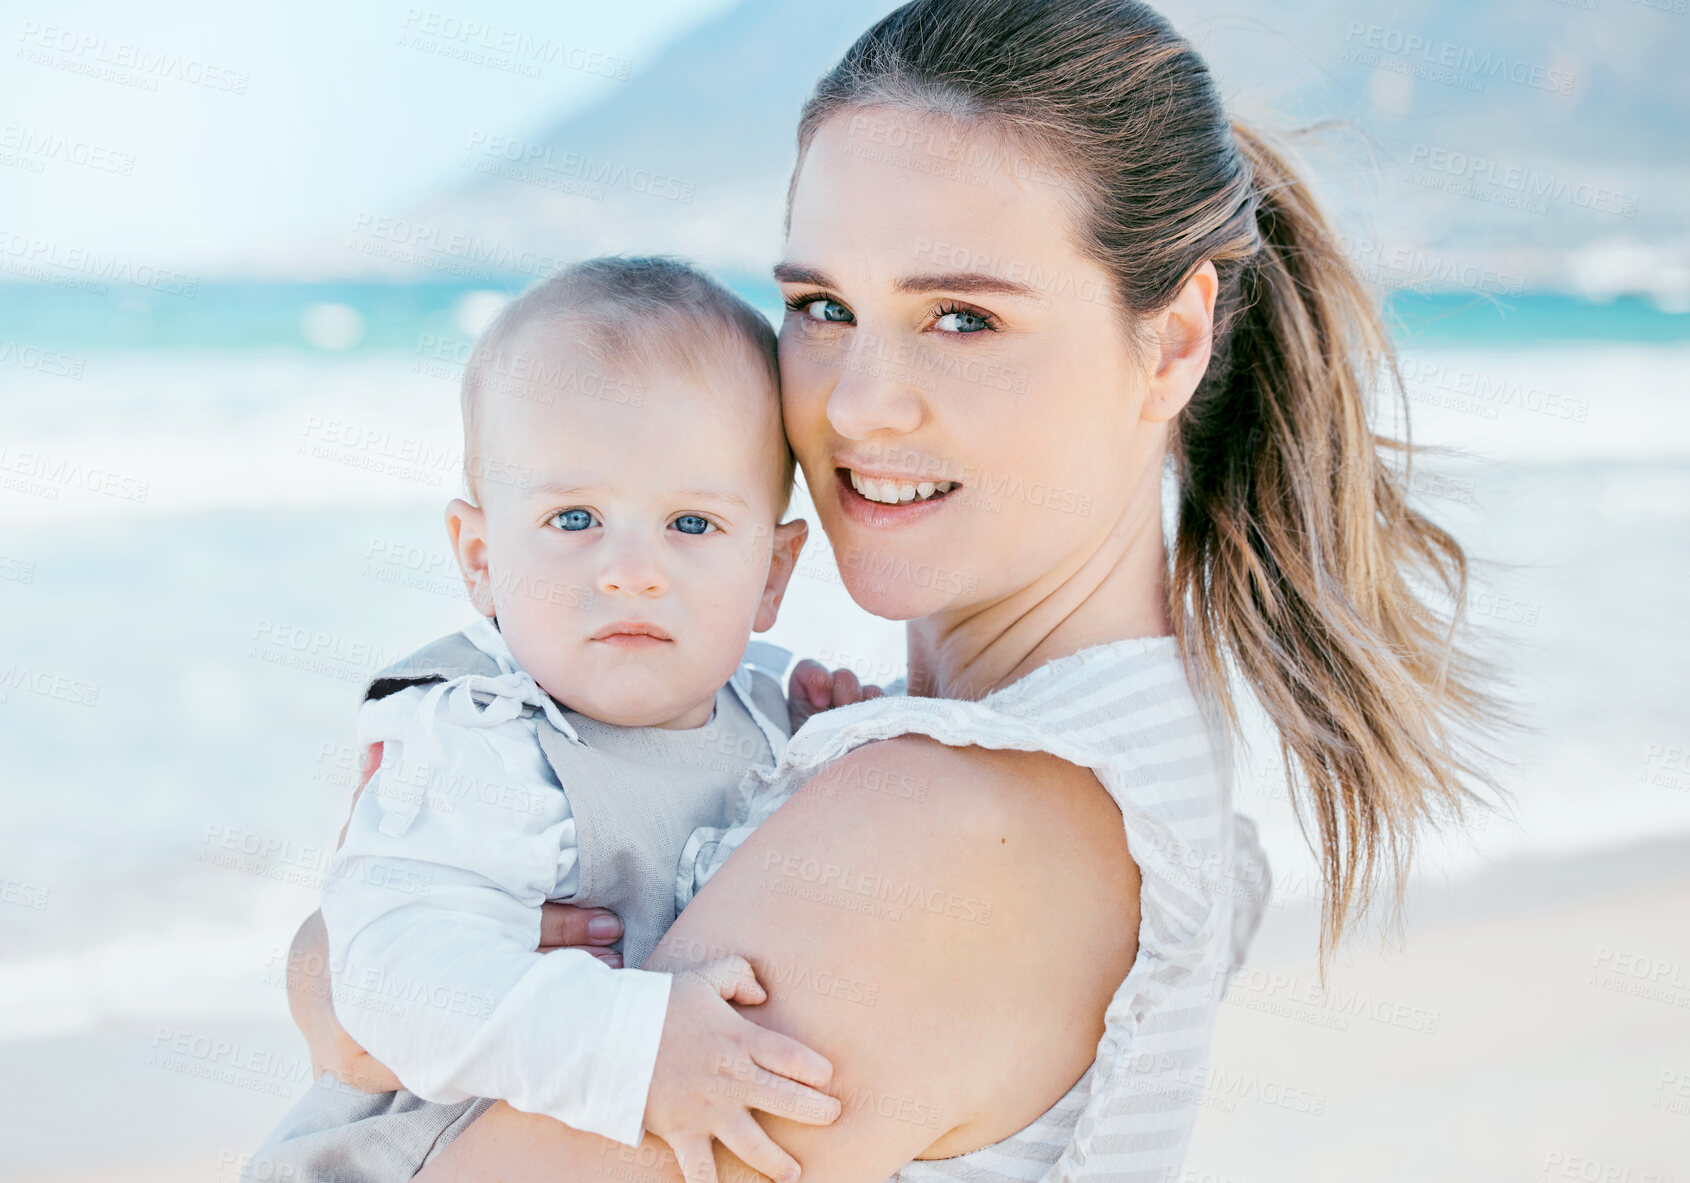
x=894 y=489
x=868 y=500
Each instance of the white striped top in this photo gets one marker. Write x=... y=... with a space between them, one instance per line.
x=1125 y=710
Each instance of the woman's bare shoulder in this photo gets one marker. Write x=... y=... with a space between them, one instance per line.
x=935 y=802
x=1051 y=820
x=946 y=924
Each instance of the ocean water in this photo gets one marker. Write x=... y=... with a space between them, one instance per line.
x=218 y=515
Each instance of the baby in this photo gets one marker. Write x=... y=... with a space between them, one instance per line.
x=627 y=474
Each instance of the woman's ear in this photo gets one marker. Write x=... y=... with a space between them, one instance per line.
x=1184 y=331
x=789 y=542
x=466 y=526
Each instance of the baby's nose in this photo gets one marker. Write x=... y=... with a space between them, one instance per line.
x=633 y=571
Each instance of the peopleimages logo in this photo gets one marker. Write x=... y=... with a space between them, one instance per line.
x=1535 y=187
x=85 y=52
x=533 y=160
x=39 y=147
x=30 y=257
x=42 y=361
x=1462 y=389
x=44 y=475
x=432 y=246
x=508 y=50
x=1432 y=55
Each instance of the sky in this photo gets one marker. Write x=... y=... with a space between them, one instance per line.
x=197 y=134
x=210 y=140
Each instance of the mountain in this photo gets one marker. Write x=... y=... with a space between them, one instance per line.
x=692 y=156
x=1499 y=146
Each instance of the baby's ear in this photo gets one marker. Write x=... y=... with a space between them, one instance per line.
x=789 y=542
x=466 y=526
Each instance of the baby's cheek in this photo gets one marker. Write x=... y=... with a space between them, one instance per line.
x=550 y=652
x=539 y=637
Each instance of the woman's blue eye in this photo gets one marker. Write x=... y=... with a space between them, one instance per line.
x=959 y=321
x=572 y=519
x=691 y=523
x=828 y=310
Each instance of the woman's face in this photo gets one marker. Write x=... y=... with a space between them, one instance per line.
x=943 y=326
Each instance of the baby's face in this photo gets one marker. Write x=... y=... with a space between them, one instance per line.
x=648 y=500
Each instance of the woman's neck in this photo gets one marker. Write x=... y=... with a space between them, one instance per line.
x=1116 y=589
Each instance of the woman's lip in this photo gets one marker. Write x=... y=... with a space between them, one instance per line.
x=879 y=513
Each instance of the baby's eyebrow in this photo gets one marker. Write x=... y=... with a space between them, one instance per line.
x=557 y=489
x=567 y=489
x=720 y=495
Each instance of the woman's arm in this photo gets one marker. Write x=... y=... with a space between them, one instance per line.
x=951 y=950
x=309 y=994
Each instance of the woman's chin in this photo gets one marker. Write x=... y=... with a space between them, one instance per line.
x=900 y=590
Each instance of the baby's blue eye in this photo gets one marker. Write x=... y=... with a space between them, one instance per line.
x=572 y=519
x=691 y=523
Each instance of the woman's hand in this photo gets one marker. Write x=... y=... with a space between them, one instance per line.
x=562 y=926
x=812 y=689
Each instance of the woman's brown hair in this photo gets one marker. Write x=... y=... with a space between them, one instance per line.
x=1297 y=550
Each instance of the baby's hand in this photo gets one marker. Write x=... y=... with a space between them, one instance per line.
x=811 y=690
x=714 y=1067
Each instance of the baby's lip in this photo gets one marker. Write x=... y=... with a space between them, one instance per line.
x=637 y=627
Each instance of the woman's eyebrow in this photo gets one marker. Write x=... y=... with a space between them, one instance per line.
x=964 y=281
x=973 y=282
x=797 y=273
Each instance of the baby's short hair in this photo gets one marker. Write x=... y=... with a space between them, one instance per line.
x=639 y=315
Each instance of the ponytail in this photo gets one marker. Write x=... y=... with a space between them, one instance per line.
x=1296 y=545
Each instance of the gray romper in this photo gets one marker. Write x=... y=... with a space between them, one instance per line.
x=637 y=794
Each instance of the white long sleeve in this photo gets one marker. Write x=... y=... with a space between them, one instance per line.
x=433 y=917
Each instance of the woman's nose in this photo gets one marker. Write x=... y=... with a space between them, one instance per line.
x=876 y=390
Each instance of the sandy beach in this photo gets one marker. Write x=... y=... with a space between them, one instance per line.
x=1533 y=1025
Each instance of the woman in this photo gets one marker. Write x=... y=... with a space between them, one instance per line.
x=1028 y=252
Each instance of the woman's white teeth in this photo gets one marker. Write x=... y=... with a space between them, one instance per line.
x=892 y=492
